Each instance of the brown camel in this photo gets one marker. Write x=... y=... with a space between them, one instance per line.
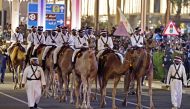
x=17 y=57
x=141 y=65
x=64 y=70
x=112 y=69
x=86 y=68
x=85 y=72
x=49 y=73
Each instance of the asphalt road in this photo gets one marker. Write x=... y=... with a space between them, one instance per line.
x=16 y=99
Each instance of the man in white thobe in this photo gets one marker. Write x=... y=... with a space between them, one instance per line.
x=104 y=42
x=79 y=42
x=62 y=39
x=136 y=39
x=16 y=38
x=176 y=75
x=50 y=42
x=89 y=33
x=34 y=79
x=30 y=38
x=39 y=39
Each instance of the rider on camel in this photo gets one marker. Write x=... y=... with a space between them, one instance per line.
x=104 y=42
x=30 y=38
x=62 y=39
x=38 y=39
x=16 y=38
x=50 y=42
x=89 y=33
x=137 y=40
x=80 y=42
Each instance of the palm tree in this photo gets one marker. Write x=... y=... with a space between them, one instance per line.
x=96 y=14
x=108 y=10
x=117 y=12
x=167 y=15
x=179 y=4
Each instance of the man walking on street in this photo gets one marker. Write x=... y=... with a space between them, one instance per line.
x=176 y=77
x=34 y=79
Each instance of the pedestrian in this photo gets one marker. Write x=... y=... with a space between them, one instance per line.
x=176 y=76
x=3 y=61
x=167 y=61
x=34 y=79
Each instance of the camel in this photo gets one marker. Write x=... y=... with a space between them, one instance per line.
x=49 y=72
x=64 y=70
x=85 y=72
x=17 y=57
x=113 y=68
x=86 y=68
x=141 y=65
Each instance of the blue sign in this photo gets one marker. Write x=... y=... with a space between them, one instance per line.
x=54 y=15
x=32 y=15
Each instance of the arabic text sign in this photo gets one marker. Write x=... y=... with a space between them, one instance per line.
x=54 y=15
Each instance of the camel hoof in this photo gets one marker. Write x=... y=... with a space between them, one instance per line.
x=151 y=107
x=84 y=106
x=115 y=107
x=64 y=99
x=138 y=107
x=77 y=107
x=89 y=107
x=103 y=105
x=71 y=101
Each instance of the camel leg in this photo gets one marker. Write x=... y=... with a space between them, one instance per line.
x=150 y=78
x=64 y=97
x=58 y=85
x=90 y=81
x=84 y=83
x=103 y=93
x=127 y=84
x=72 y=89
x=77 y=85
x=96 y=82
x=116 y=81
x=138 y=90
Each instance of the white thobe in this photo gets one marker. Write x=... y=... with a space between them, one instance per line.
x=137 y=40
x=79 y=43
x=50 y=41
x=101 y=45
x=39 y=39
x=33 y=87
x=175 y=84
x=30 y=40
x=60 y=39
x=16 y=37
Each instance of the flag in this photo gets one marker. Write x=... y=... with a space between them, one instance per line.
x=123 y=19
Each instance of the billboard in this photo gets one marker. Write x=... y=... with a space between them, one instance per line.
x=54 y=15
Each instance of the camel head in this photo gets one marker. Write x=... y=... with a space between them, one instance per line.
x=92 y=43
x=128 y=60
x=150 y=43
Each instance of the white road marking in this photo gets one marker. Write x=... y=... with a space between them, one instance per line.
x=14 y=98
x=117 y=99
